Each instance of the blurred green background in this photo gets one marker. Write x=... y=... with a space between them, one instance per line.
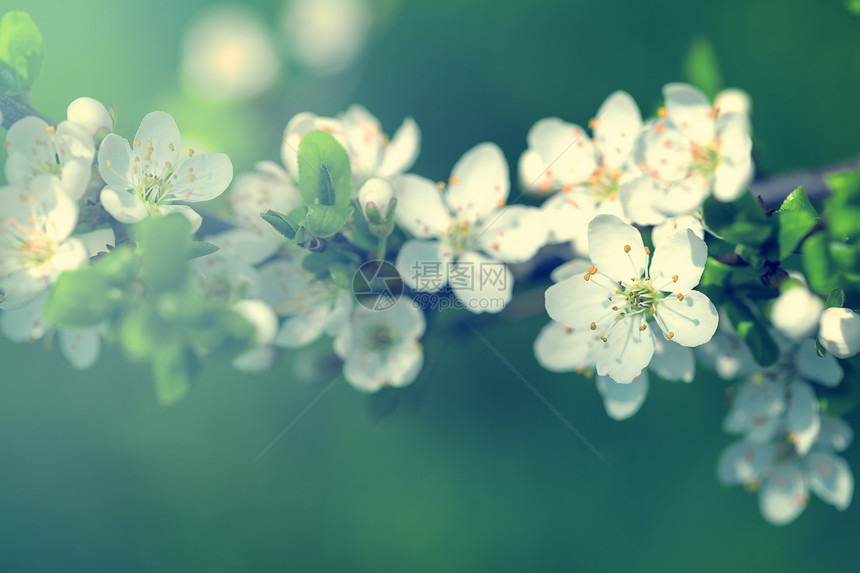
x=467 y=470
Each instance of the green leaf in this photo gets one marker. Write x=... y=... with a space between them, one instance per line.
x=716 y=273
x=287 y=225
x=798 y=200
x=327 y=220
x=792 y=227
x=201 y=249
x=701 y=68
x=325 y=177
x=818 y=266
x=165 y=245
x=173 y=369
x=836 y=298
x=752 y=331
x=82 y=299
x=142 y=333
x=342 y=274
x=741 y=221
x=819 y=348
x=21 y=49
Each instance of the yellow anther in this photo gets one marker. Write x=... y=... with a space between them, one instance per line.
x=626 y=248
x=586 y=276
x=500 y=202
x=674 y=278
x=643 y=327
x=191 y=177
x=134 y=169
x=592 y=123
x=108 y=163
x=614 y=308
x=50 y=129
x=603 y=338
x=170 y=146
x=680 y=296
x=190 y=152
x=662 y=112
x=454 y=180
x=136 y=142
x=670 y=336
x=617 y=291
x=651 y=310
x=569 y=330
x=647 y=251
x=149 y=145
x=440 y=185
x=168 y=165
x=592 y=270
x=593 y=326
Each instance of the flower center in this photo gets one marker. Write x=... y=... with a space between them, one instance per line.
x=458 y=235
x=705 y=158
x=380 y=336
x=603 y=184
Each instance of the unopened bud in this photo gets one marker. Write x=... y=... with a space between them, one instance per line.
x=839 y=332
x=91 y=114
x=376 y=198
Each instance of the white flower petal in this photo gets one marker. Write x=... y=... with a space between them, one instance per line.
x=690 y=110
x=692 y=320
x=802 y=418
x=726 y=354
x=193 y=216
x=576 y=303
x=623 y=400
x=839 y=331
x=402 y=150
x=566 y=217
x=830 y=478
x=479 y=183
x=672 y=361
x=627 y=350
x=783 y=497
x=835 y=434
x=616 y=248
x=732 y=179
x=423 y=265
x=745 y=462
x=823 y=370
x=482 y=284
x=640 y=198
x=665 y=230
x=255 y=361
x=158 y=138
x=201 y=177
x=90 y=114
x=81 y=347
x=302 y=329
x=618 y=124
x=561 y=349
x=574 y=268
x=567 y=153
x=115 y=162
x=123 y=206
x=682 y=255
x=261 y=316
x=420 y=206
x=27 y=323
x=686 y=194
x=533 y=174
x=513 y=234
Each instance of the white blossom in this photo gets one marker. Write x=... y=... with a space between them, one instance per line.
x=381 y=348
x=796 y=311
x=839 y=332
x=150 y=177
x=464 y=233
x=622 y=297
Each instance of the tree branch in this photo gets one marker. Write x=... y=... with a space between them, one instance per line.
x=14 y=110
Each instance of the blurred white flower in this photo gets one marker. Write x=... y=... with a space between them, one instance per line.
x=36 y=148
x=91 y=114
x=35 y=239
x=308 y=307
x=151 y=176
x=621 y=295
x=376 y=194
x=370 y=152
x=796 y=311
x=228 y=54
x=381 y=348
x=262 y=356
x=694 y=150
x=465 y=234
x=327 y=35
x=839 y=332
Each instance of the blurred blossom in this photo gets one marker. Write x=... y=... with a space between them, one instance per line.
x=327 y=35
x=228 y=54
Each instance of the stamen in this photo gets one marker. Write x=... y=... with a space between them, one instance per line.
x=603 y=338
x=593 y=326
x=680 y=296
x=50 y=129
x=108 y=163
x=674 y=278
x=643 y=327
x=587 y=276
x=670 y=336
x=626 y=248
x=592 y=270
x=647 y=251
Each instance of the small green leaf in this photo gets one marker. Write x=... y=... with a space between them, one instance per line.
x=201 y=249
x=798 y=200
x=285 y=225
x=836 y=298
x=21 y=49
x=325 y=176
x=741 y=221
x=819 y=349
x=82 y=299
x=327 y=220
x=164 y=244
x=701 y=68
x=173 y=369
x=792 y=227
x=753 y=332
x=342 y=274
x=818 y=266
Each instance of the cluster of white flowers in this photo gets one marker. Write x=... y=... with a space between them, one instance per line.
x=788 y=447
